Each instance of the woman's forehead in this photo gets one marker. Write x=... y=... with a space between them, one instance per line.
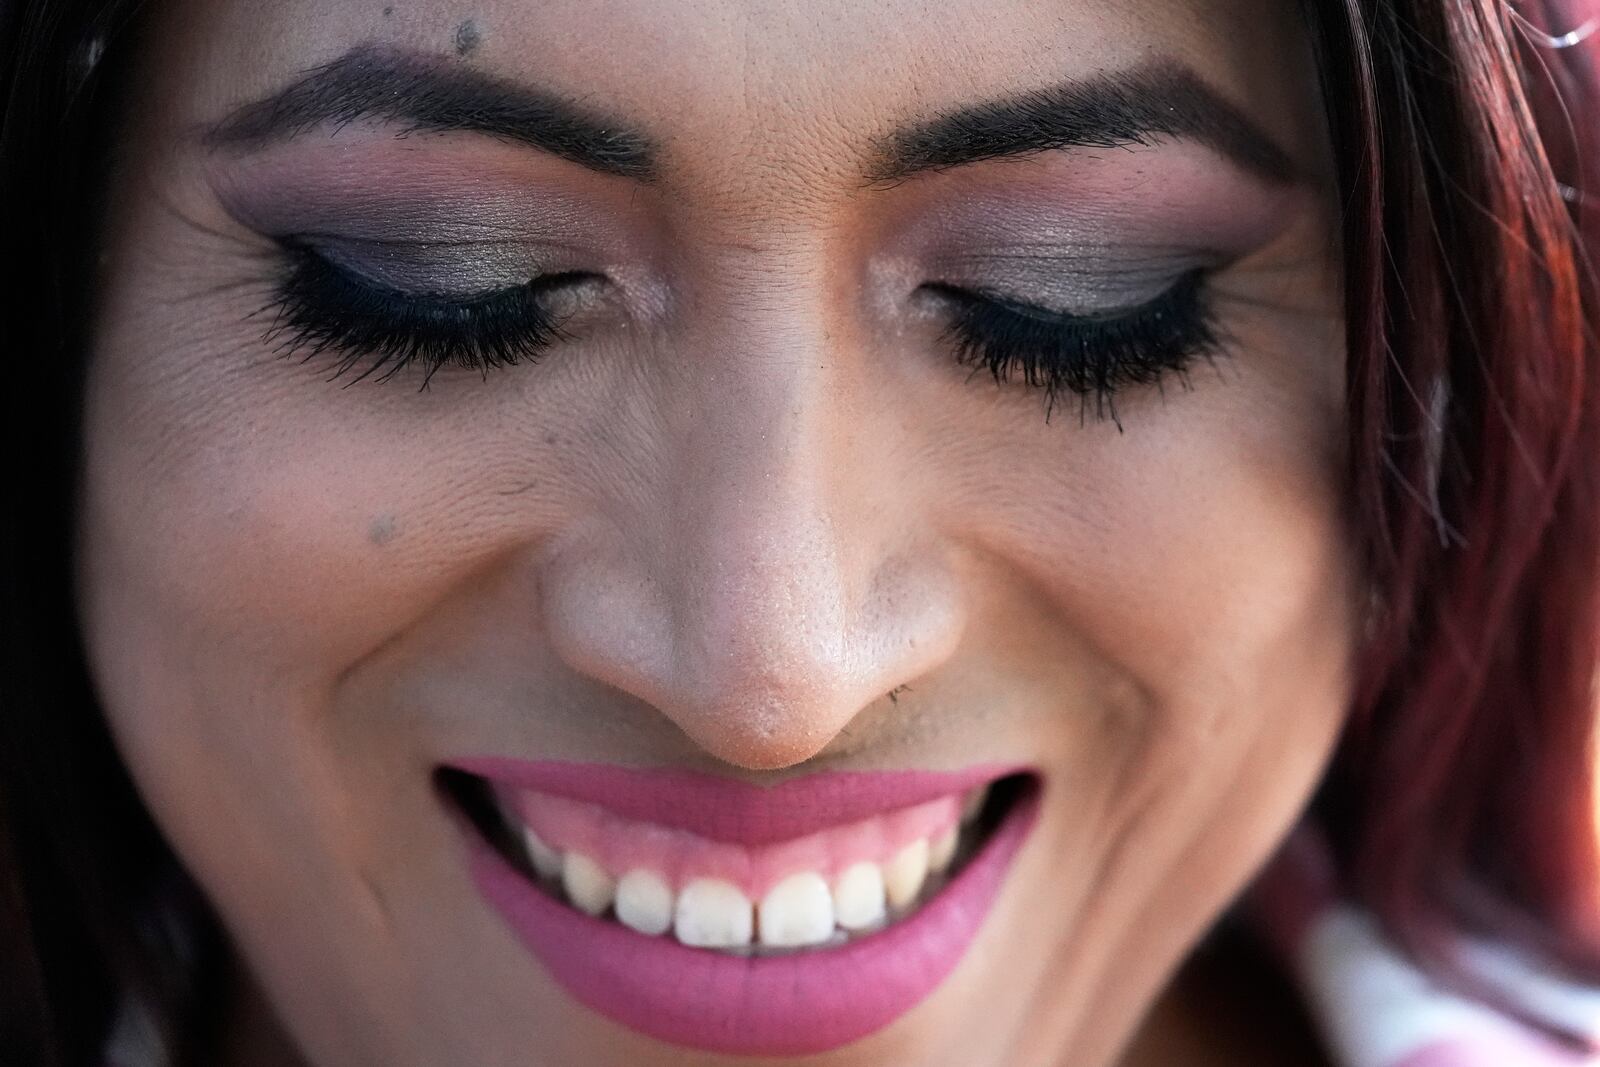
x=785 y=88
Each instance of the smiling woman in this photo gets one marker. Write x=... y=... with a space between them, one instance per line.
x=819 y=533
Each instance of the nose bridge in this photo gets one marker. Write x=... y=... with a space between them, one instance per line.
x=762 y=574
x=762 y=590
x=772 y=561
x=760 y=441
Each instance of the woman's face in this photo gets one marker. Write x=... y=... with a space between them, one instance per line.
x=548 y=390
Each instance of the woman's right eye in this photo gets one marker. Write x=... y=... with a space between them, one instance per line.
x=377 y=329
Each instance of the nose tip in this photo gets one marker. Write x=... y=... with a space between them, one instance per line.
x=769 y=656
x=765 y=729
x=761 y=660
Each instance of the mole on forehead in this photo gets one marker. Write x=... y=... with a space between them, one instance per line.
x=468 y=37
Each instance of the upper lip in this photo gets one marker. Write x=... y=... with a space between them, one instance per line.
x=722 y=809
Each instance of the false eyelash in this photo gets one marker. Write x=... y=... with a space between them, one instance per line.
x=1091 y=356
x=322 y=307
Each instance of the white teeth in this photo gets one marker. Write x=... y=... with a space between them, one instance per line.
x=904 y=874
x=804 y=910
x=858 y=896
x=588 y=886
x=797 y=911
x=712 y=913
x=644 y=902
x=942 y=850
x=546 y=860
x=972 y=803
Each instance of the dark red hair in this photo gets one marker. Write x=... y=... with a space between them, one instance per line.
x=1465 y=794
x=1463 y=797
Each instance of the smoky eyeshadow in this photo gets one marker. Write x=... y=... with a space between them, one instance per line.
x=415 y=237
x=430 y=266
x=1092 y=232
x=1079 y=277
x=399 y=211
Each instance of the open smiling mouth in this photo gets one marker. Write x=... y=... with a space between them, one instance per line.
x=727 y=917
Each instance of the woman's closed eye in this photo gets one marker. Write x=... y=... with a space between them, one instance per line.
x=376 y=328
x=1091 y=354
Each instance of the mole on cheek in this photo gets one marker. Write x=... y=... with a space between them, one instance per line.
x=382 y=529
x=468 y=38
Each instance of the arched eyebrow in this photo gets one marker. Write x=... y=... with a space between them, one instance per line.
x=1117 y=109
x=423 y=92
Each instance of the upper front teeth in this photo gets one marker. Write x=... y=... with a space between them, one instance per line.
x=797 y=911
x=858 y=896
x=644 y=902
x=800 y=909
x=713 y=914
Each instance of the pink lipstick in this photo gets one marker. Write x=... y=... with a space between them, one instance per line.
x=726 y=917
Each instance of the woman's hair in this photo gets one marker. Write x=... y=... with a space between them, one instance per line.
x=1465 y=793
x=1463 y=796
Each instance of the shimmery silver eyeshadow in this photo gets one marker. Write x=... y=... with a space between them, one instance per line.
x=1079 y=279
x=433 y=266
x=422 y=240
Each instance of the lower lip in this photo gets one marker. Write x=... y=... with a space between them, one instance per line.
x=806 y=1003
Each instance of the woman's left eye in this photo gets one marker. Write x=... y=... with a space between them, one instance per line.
x=376 y=329
x=1091 y=355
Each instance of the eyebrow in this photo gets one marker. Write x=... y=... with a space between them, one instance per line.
x=423 y=92
x=1119 y=109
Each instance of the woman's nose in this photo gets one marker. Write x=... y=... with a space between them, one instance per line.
x=775 y=580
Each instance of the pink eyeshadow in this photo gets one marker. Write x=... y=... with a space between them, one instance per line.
x=1173 y=197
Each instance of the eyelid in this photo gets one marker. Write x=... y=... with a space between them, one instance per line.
x=1030 y=308
x=333 y=237
x=1086 y=282
x=440 y=271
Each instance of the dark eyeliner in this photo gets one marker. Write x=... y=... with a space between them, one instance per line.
x=321 y=306
x=1089 y=355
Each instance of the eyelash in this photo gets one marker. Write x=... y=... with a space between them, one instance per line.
x=322 y=307
x=1087 y=355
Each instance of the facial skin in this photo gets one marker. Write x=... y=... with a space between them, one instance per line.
x=755 y=492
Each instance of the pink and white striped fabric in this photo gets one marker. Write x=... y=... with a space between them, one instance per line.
x=1376 y=1009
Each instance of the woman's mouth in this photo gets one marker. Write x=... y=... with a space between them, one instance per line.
x=734 y=918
